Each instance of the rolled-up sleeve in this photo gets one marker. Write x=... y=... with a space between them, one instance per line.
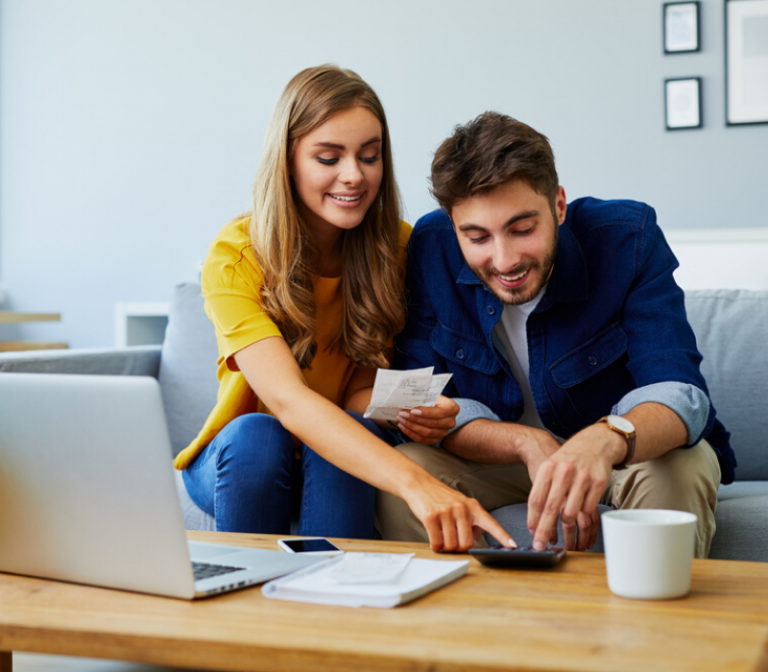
x=470 y=410
x=689 y=402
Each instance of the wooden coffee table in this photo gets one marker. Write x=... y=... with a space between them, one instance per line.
x=561 y=619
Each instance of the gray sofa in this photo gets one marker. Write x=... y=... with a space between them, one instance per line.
x=731 y=328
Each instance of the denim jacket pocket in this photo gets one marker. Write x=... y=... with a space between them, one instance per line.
x=463 y=350
x=473 y=364
x=589 y=376
x=589 y=359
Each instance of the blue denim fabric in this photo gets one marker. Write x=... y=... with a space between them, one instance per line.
x=611 y=321
x=248 y=477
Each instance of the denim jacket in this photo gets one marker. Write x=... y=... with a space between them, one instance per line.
x=611 y=321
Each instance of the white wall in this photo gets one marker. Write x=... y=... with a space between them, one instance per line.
x=130 y=129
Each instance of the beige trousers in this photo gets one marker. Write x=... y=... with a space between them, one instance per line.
x=684 y=479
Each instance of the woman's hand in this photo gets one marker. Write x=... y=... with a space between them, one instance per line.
x=453 y=521
x=429 y=424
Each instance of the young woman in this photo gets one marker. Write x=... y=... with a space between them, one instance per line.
x=305 y=294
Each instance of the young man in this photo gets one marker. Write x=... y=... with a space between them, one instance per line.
x=573 y=363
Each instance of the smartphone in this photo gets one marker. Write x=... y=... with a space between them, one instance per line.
x=518 y=557
x=309 y=546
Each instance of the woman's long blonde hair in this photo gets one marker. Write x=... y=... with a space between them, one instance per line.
x=371 y=275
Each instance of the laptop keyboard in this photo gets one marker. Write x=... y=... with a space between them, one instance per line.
x=205 y=570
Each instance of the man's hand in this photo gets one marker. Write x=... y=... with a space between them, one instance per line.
x=536 y=451
x=587 y=525
x=569 y=485
x=429 y=424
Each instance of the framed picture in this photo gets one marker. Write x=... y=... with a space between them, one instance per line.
x=746 y=62
x=681 y=27
x=682 y=103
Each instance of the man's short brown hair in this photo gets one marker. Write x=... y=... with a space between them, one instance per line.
x=489 y=151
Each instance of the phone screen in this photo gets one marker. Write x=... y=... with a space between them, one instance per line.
x=310 y=545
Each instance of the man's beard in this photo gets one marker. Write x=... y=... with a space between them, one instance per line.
x=518 y=296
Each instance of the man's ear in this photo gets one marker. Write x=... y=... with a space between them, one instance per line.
x=561 y=205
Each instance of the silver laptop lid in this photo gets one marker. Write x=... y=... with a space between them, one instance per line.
x=87 y=491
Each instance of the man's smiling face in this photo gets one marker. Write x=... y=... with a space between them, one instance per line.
x=508 y=237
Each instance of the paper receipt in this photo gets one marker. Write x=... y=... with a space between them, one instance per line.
x=396 y=390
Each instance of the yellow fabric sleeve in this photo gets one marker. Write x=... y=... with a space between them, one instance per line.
x=231 y=283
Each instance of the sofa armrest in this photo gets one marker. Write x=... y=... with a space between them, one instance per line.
x=141 y=360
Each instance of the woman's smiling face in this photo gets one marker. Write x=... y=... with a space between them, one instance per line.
x=337 y=170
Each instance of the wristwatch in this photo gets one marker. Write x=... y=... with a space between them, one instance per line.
x=624 y=427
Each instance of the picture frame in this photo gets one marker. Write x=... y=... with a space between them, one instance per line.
x=682 y=103
x=682 y=33
x=746 y=62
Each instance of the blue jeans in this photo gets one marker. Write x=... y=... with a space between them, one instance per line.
x=249 y=475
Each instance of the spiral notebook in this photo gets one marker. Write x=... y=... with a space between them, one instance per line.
x=316 y=584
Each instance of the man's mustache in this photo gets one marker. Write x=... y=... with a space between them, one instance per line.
x=522 y=268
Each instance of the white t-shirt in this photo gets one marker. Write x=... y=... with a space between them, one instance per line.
x=511 y=333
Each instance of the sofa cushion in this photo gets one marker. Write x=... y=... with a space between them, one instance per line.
x=188 y=366
x=137 y=360
x=194 y=517
x=731 y=327
x=742 y=532
x=744 y=489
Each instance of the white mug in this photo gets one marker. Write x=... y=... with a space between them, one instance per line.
x=649 y=552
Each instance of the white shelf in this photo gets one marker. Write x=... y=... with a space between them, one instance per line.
x=140 y=323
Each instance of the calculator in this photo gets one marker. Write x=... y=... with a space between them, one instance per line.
x=525 y=556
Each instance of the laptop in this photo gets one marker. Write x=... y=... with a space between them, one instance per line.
x=88 y=494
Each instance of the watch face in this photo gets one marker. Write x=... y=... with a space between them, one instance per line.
x=621 y=423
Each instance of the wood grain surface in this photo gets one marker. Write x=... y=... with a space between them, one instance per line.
x=492 y=619
x=18 y=346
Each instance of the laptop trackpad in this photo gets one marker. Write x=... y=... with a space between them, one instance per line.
x=199 y=550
